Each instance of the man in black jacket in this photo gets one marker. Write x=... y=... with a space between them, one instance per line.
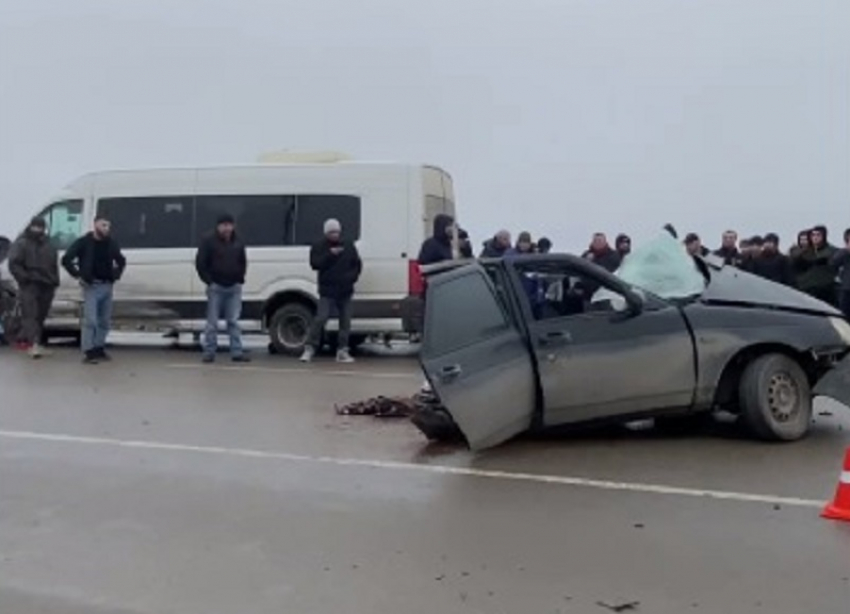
x=770 y=263
x=339 y=266
x=438 y=247
x=97 y=262
x=729 y=248
x=221 y=263
x=35 y=266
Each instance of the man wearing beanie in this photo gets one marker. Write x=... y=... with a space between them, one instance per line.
x=770 y=263
x=338 y=266
x=34 y=264
x=222 y=264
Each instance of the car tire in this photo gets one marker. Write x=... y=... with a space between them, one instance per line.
x=289 y=329
x=776 y=398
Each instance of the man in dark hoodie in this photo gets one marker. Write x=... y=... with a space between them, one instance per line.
x=818 y=275
x=770 y=263
x=623 y=245
x=97 y=262
x=438 y=247
x=222 y=263
x=34 y=264
x=498 y=246
x=338 y=265
x=601 y=254
x=841 y=263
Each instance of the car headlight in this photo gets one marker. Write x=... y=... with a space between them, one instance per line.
x=842 y=327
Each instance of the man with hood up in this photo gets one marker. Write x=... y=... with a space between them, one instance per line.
x=498 y=246
x=623 y=245
x=438 y=247
x=817 y=278
x=222 y=264
x=34 y=264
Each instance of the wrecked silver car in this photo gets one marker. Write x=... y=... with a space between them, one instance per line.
x=540 y=341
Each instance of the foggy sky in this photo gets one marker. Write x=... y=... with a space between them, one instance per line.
x=560 y=117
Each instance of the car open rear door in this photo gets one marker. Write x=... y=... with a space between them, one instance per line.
x=476 y=359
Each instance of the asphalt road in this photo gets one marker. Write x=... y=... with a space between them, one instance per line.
x=158 y=485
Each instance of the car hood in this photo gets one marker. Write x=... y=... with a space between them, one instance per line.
x=731 y=286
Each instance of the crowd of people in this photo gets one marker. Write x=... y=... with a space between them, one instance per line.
x=813 y=265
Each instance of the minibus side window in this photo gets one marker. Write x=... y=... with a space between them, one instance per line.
x=64 y=221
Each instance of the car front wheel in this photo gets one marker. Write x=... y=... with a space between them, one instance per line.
x=776 y=399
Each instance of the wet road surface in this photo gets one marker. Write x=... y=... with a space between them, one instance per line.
x=155 y=485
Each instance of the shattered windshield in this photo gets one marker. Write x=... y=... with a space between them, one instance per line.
x=664 y=268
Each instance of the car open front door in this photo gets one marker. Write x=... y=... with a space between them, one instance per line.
x=476 y=359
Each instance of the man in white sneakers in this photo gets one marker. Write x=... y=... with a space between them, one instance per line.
x=338 y=265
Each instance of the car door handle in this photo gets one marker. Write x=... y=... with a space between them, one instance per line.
x=555 y=336
x=450 y=372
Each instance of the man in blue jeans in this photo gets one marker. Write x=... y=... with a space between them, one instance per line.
x=222 y=264
x=97 y=262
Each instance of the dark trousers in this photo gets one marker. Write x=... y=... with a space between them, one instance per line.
x=845 y=303
x=324 y=313
x=35 y=300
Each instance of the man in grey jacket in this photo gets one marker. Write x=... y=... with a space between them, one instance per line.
x=34 y=264
x=841 y=262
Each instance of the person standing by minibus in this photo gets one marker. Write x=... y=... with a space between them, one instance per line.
x=97 y=262
x=222 y=264
x=34 y=264
x=338 y=265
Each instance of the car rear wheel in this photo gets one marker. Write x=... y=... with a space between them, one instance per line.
x=289 y=329
x=776 y=399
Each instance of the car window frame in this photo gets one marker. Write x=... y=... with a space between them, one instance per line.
x=572 y=269
x=455 y=275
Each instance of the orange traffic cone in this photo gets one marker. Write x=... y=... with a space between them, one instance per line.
x=839 y=509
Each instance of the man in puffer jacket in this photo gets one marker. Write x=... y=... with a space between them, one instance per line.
x=34 y=264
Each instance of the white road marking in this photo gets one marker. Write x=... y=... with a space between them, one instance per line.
x=302 y=371
x=656 y=489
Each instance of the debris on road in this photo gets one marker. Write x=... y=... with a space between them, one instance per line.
x=424 y=410
x=625 y=607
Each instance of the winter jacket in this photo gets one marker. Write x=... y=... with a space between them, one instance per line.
x=220 y=262
x=492 y=249
x=79 y=260
x=816 y=270
x=607 y=258
x=338 y=273
x=775 y=267
x=438 y=247
x=731 y=256
x=34 y=261
x=841 y=263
